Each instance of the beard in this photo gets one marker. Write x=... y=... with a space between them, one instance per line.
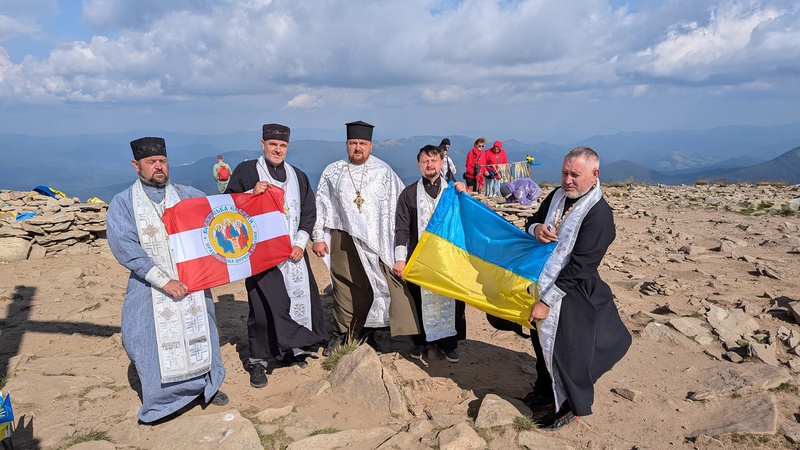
x=154 y=181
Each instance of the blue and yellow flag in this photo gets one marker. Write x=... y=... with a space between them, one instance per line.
x=470 y=253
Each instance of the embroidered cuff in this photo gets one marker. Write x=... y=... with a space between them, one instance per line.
x=531 y=228
x=318 y=234
x=400 y=253
x=157 y=277
x=301 y=239
x=552 y=297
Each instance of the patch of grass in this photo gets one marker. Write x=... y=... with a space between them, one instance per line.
x=788 y=388
x=701 y=183
x=329 y=430
x=764 y=205
x=750 y=440
x=64 y=374
x=278 y=439
x=339 y=352
x=524 y=423
x=484 y=434
x=3 y=381
x=786 y=212
x=736 y=395
x=746 y=211
x=91 y=435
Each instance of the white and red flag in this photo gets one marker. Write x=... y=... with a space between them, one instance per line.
x=223 y=238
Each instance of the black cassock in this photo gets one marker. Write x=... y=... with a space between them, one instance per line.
x=406 y=233
x=270 y=329
x=590 y=337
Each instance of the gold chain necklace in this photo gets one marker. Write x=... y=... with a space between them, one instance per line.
x=359 y=200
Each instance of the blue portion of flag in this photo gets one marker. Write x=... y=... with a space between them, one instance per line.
x=475 y=228
x=6 y=412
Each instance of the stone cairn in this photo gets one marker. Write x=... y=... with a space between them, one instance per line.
x=63 y=225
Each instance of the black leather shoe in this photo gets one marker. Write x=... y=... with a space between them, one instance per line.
x=539 y=403
x=290 y=359
x=337 y=339
x=220 y=399
x=372 y=342
x=417 y=351
x=556 y=420
x=258 y=375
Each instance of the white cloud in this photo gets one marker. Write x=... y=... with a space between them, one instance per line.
x=695 y=52
x=310 y=56
x=304 y=101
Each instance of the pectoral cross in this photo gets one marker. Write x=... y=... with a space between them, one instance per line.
x=359 y=200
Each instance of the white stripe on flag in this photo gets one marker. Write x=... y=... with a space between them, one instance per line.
x=239 y=271
x=270 y=225
x=215 y=201
x=188 y=245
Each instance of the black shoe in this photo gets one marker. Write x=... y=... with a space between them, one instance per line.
x=450 y=355
x=373 y=343
x=337 y=339
x=258 y=375
x=556 y=420
x=539 y=403
x=220 y=399
x=417 y=351
x=290 y=359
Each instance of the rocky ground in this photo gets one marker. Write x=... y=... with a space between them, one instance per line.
x=706 y=278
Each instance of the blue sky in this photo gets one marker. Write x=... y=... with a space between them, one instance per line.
x=526 y=69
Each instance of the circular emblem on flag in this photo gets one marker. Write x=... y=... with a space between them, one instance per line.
x=229 y=234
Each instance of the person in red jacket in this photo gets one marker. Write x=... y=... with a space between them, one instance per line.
x=494 y=156
x=475 y=166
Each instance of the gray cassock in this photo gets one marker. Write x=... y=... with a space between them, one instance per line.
x=138 y=327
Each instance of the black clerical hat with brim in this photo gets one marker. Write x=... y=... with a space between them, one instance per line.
x=148 y=146
x=359 y=130
x=275 y=131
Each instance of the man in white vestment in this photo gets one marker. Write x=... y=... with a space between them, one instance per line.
x=285 y=322
x=169 y=334
x=356 y=201
x=443 y=321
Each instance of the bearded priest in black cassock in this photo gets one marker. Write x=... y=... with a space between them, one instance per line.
x=285 y=321
x=579 y=334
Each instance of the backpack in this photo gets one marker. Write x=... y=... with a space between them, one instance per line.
x=224 y=173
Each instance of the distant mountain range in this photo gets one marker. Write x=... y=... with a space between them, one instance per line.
x=99 y=164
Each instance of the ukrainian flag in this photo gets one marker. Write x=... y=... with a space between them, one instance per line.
x=470 y=253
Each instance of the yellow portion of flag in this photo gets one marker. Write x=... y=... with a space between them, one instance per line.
x=448 y=270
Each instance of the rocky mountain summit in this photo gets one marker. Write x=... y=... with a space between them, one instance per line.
x=706 y=278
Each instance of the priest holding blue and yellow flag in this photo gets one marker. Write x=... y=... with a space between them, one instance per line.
x=579 y=335
x=442 y=319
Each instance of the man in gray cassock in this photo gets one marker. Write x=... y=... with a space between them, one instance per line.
x=170 y=335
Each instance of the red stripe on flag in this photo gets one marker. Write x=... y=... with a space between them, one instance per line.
x=193 y=214
x=203 y=273
x=269 y=201
x=270 y=253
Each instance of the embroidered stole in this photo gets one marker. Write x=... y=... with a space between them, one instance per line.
x=548 y=291
x=182 y=333
x=438 y=311
x=295 y=273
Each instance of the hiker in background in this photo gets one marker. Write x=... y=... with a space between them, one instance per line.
x=285 y=322
x=442 y=320
x=476 y=161
x=172 y=373
x=448 y=167
x=579 y=333
x=356 y=202
x=222 y=174
x=494 y=156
